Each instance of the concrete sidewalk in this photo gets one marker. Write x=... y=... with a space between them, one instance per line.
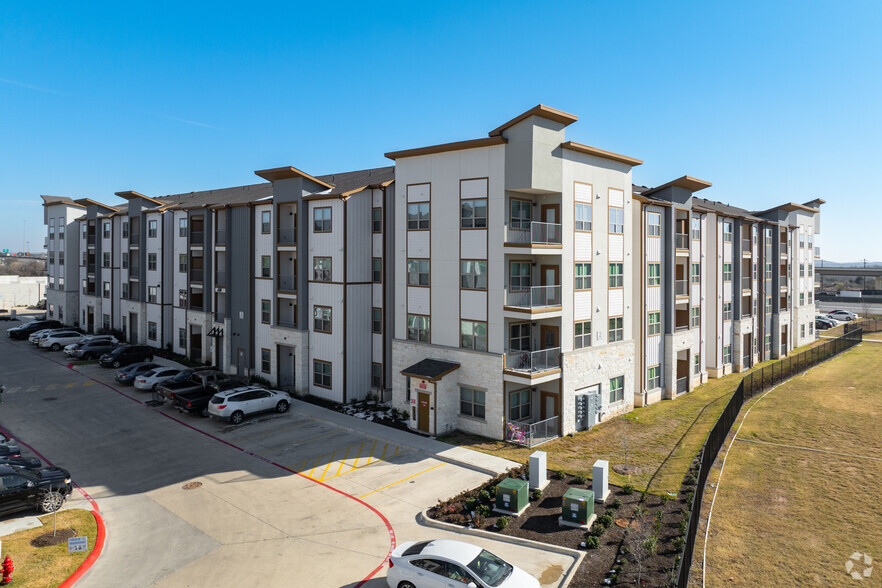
x=461 y=456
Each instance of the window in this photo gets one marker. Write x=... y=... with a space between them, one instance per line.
x=376 y=375
x=616 y=275
x=151 y=262
x=654 y=273
x=151 y=293
x=105 y=289
x=583 y=216
x=696 y=364
x=151 y=331
x=321 y=220
x=727 y=272
x=265 y=361
x=520 y=214
x=802 y=330
x=265 y=222
x=417 y=272
x=84 y=258
x=810 y=269
x=376 y=220
x=125 y=230
x=768 y=271
x=653 y=377
x=321 y=373
x=84 y=230
x=182 y=227
x=321 y=269
x=182 y=298
x=418 y=328
x=376 y=270
x=377 y=320
x=473 y=214
x=60 y=287
x=473 y=275
x=182 y=339
x=696 y=229
x=519 y=337
x=727 y=311
x=727 y=354
x=768 y=237
x=616 y=329
x=105 y=229
x=265 y=312
x=802 y=298
x=810 y=297
x=617 y=389
x=151 y=228
x=616 y=220
x=519 y=276
x=321 y=319
x=695 y=316
x=418 y=215
x=801 y=240
x=473 y=335
x=768 y=304
x=582 y=332
x=811 y=328
x=265 y=266
x=583 y=276
x=124 y=259
x=696 y=273
x=125 y=291
x=61 y=258
x=767 y=346
x=519 y=405
x=105 y=259
x=653 y=222
x=182 y=263
x=802 y=270
x=471 y=402
x=653 y=323
x=727 y=232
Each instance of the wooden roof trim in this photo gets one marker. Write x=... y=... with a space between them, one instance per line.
x=652 y=201
x=89 y=201
x=287 y=172
x=66 y=202
x=456 y=146
x=685 y=182
x=790 y=207
x=588 y=150
x=131 y=194
x=565 y=118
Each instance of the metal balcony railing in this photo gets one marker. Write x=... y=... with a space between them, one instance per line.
x=746 y=246
x=90 y=239
x=197 y=275
x=287 y=235
x=534 y=233
x=681 y=240
x=817 y=252
x=531 y=434
x=533 y=361
x=682 y=287
x=220 y=237
x=288 y=283
x=285 y=322
x=534 y=297
x=745 y=283
x=220 y=279
x=197 y=237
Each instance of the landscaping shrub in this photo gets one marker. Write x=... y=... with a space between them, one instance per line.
x=559 y=475
x=579 y=479
x=470 y=503
x=616 y=504
x=483 y=510
x=679 y=542
x=492 y=491
x=535 y=494
x=502 y=523
x=628 y=489
x=650 y=544
x=605 y=520
x=597 y=529
x=485 y=496
x=592 y=542
x=684 y=525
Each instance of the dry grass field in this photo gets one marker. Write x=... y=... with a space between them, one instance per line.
x=800 y=490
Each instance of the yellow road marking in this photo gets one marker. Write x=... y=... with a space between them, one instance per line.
x=330 y=461
x=89 y=383
x=317 y=460
x=404 y=479
x=51 y=386
x=71 y=385
x=342 y=461
x=357 y=457
x=371 y=454
x=33 y=389
x=385 y=447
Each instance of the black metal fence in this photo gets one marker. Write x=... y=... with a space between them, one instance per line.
x=752 y=384
x=866 y=325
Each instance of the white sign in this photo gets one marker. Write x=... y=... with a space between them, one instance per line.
x=75 y=544
x=574 y=506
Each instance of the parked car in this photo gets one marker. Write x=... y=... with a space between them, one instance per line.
x=237 y=403
x=832 y=321
x=35 y=338
x=23 y=331
x=58 y=339
x=128 y=374
x=151 y=379
x=71 y=348
x=445 y=562
x=45 y=489
x=196 y=401
x=28 y=463
x=822 y=324
x=5 y=315
x=198 y=381
x=10 y=451
x=94 y=348
x=843 y=315
x=125 y=355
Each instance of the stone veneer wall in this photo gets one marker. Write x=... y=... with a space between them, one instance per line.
x=597 y=365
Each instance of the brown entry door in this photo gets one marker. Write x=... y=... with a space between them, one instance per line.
x=551 y=213
x=549 y=405
x=549 y=336
x=423 y=412
x=550 y=275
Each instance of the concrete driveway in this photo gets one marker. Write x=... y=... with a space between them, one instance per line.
x=361 y=484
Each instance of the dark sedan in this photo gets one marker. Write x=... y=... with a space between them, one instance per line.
x=128 y=374
x=125 y=355
x=24 y=331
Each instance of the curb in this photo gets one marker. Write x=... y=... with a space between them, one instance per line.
x=424 y=520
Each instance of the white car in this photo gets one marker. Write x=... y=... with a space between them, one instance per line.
x=842 y=315
x=237 y=403
x=58 y=339
x=150 y=380
x=829 y=319
x=37 y=335
x=444 y=563
x=71 y=349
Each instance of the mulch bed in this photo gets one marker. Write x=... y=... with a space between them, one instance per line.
x=613 y=562
x=366 y=410
x=47 y=540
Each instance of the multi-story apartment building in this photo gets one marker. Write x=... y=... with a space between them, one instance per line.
x=513 y=285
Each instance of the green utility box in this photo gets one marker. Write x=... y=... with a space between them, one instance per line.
x=578 y=506
x=512 y=495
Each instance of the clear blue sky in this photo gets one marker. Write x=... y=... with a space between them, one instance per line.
x=771 y=101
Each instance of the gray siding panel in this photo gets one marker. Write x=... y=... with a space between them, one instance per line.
x=240 y=278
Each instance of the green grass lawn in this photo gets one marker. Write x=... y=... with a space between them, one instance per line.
x=662 y=439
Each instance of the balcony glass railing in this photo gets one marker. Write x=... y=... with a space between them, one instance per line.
x=288 y=283
x=682 y=240
x=746 y=246
x=287 y=235
x=533 y=361
x=534 y=297
x=745 y=283
x=682 y=287
x=534 y=233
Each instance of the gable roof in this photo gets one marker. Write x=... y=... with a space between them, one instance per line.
x=540 y=110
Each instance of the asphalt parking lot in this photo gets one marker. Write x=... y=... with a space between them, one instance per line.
x=360 y=487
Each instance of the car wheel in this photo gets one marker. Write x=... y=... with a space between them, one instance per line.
x=237 y=417
x=116 y=364
x=204 y=413
x=51 y=501
x=282 y=406
x=55 y=347
x=406 y=585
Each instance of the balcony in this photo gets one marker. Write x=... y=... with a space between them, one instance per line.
x=746 y=246
x=197 y=238
x=535 y=297
x=533 y=234
x=817 y=253
x=90 y=239
x=531 y=434
x=288 y=283
x=287 y=235
x=220 y=238
x=682 y=287
x=134 y=294
x=220 y=279
x=533 y=362
x=290 y=323
x=745 y=283
x=197 y=275
x=681 y=241
x=90 y=268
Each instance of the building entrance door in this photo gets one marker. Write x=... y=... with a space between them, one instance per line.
x=423 y=412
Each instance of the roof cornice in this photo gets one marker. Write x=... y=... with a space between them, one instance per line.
x=456 y=146
x=588 y=150
x=540 y=110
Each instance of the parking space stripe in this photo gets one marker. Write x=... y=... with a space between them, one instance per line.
x=404 y=479
x=318 y=459
x=371 y=454
x=33 y=389
x=330 y=461
x=71 y=385
x=342 y=462
x=51 y=386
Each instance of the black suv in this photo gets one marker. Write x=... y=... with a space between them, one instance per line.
x=126 y=354
x=44 y=489
x=24 y=331
x=94 y=348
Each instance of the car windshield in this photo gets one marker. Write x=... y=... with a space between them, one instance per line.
x=182 y=376
x=490 y=569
